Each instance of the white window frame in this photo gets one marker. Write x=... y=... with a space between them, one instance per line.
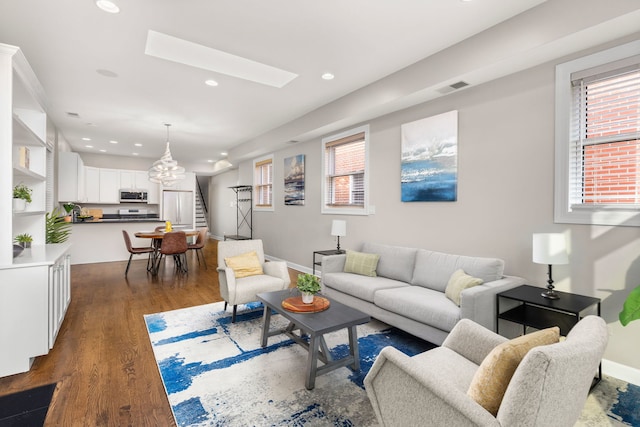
x=563 y=212
x=256 y=207
x=325 y=205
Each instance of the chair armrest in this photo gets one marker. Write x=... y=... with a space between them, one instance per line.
x=471 y=340
x=402 y=391
x=227 y=281
x=277 y=269
x=478 y=303
x=333 y=263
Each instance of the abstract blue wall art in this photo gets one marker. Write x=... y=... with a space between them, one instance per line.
x=294 y=180
x=429 y=164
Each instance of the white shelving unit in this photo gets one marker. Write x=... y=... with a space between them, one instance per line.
x=34 y=287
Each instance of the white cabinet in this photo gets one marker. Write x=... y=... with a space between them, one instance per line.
x=109 y=185
x=71 y=177
x=91 y=185
x=139 y=180
x=34 y=296
x=59 y=295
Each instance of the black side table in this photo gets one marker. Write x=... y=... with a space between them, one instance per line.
x=538 y=312
x=323 y=254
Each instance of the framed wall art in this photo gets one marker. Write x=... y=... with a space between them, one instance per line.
x=294 y=180
x=429 y=163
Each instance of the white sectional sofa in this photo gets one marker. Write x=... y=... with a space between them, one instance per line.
x=408 y=291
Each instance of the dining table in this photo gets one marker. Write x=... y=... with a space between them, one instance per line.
x=157 y=236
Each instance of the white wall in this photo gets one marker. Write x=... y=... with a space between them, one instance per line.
x=505 y=194
x=222 y=209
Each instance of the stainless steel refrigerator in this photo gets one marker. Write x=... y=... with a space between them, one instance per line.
x=178 y=207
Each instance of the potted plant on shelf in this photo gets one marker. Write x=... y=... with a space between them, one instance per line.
x=21 y=196
x=68 y=207
x=23 y=240
x=308 y=285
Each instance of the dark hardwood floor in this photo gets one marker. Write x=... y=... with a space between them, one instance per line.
x=102 y=359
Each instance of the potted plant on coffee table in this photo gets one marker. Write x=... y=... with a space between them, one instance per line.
x=21 y=196
x=23 y=240
x=308 y=285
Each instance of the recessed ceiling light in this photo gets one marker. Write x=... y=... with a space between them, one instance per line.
x=107 y=6
x=210 y=161
x=137 y=144
x=224 y=153
x=135 y=154
x=86 y=139
x=89 y=146
x=113 y=142
x=103 y=151
x=211 y=82
x=328 y=76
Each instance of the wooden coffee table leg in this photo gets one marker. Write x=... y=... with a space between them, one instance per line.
x=353 y=347
x=312 y=362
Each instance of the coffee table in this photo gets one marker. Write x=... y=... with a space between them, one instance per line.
x=336 y=317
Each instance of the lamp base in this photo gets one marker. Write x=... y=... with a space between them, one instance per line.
x=550 y=294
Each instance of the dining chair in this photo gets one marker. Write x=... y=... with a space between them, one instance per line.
x=175 y=243
x=136 y=251
x=199 y=244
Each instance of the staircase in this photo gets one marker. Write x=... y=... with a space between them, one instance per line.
x=201 y=214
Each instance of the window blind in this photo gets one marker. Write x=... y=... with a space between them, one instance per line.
x=344 y=171
x=263 y=182
x=605 y=138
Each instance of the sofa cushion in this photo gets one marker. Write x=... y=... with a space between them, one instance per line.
x=244 y=265
x=433 y=269
x=358 y=286
x=492 y=378
x=361 y=263
x=458 y=282
x=420 y=304
x=395 y=262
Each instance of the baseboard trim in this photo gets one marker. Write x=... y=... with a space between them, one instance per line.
x=620 y=371
x=298 y=267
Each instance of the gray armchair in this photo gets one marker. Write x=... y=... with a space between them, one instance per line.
x=549 y=387
x=236 y=291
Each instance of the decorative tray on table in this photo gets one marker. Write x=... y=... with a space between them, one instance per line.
x=296 y=305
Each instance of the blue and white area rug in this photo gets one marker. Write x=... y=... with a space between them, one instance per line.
x=216 y=374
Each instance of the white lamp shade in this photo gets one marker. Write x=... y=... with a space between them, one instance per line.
x=339 y=228
x=550 y=248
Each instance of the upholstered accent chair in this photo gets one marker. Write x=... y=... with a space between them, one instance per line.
x=241 y=290
x=548 y=388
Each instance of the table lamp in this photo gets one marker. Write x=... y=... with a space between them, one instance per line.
x=339 y=229
x=550 y=249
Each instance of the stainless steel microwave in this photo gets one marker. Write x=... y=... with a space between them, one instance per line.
x=133 y=196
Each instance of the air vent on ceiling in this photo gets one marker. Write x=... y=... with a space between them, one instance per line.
x=74 y=115
x=448 y=89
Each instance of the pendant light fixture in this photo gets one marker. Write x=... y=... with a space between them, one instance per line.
x=166 y=170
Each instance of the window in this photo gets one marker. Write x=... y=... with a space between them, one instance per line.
x=345 y=183
x=263 y=183
x=598 y=138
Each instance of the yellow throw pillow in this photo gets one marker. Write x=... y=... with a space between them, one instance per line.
x=244 y=265
x=458 y=282
x=491 y=380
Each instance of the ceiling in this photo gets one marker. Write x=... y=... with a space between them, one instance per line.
x=101 y=84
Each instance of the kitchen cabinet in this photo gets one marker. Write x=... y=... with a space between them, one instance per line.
x=109 y=185
x=139 y=180
x=91 y=185
x=71 y=178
